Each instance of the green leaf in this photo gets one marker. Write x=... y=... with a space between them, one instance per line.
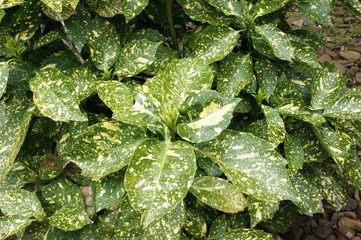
x=327 y=87
x=213 y=43
x=79 y=26
x=104 y=43
x=301 y=114
x=318 y=10
x=271 y=41
x=347 y=106
x=54 y=5
x=294 y=153
x=236 y=71
x=163 y=57
x=200 y=10
x=355 y=5
x=8 y=228
x=4 y=74
x=50 y=167
x=219 y=194
x=311 y=199
x=135 y=57
x=264 y=7
x=218 y=227
x=276 y=131
x=208 y=166
x=231 y=7
x=47 y=38
x=70 y=218
x=62 y=60
x=195 y=223
x=10 y=3
x=106 y=8
x=209 y=115
x=132 y=8
x=55 y=96
x=247 y=234
x=261 y=210
x=251 y=164
x=149 y=34
x=104 y=148
x=266 y=76
x=158 y=177
x=303 y=53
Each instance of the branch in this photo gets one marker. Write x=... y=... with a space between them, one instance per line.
x=171 y=25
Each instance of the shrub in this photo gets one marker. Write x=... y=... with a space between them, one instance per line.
x=169 y=120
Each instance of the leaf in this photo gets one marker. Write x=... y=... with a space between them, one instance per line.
x=276 y=131
x=236 y=71
x=158 y=177
x=12 y=135
x=327 y=87
x=135 y=57
x=106 y=8
x=78 y=26
x=266 y=76
x=218 y=227
x=301 y=114
x=8 y=228
x=149 y=34
x=304 y=54
x=251 y=164
x=355 y=5
x=54 y=5
x=208 y=166
x=311 y=199
x=213 y=43
x=247 y=234
x=231 y=7
x=294 y=153
x=104 y=43
x=69 y=218
x=132 y=8
x=264 y=7
x=47 y=39
x=211 y=114
x=104 y=148
x=271 y=41
x=55 y=96
x=200 y=10
x=318 y=10
x=163 y=57
x=4 y=74
x=195 y=224
x=347 y=106
x=10 y=3
x=219 y=194
x=62 y=60
x=261 y=210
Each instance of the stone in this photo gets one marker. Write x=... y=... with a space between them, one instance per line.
x=331 y=237
x=355 y=48
x=324 y=58
x=309 y=237
x=332 y=45
x=349 y=233
x=352 y=203
x=351 y=72
x=349 y=19
x=356 y=238
x=350 y=55
x=323 y=231
x=332 y=53
x=358 y=77
x=339 y=66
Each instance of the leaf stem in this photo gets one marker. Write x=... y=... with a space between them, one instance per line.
x=169 y=5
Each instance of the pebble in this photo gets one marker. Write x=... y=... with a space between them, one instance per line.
x=358 y=77
x=347 y=232
x=339 y=66
x=356 y=238
x=332 y=45
x=309 y=237
x=355 y=48
x=324 y=58
x=332 y=53
x=350 y=55
x=351 y=72
x=323 y=231
x=331 y=237
x=352 y=203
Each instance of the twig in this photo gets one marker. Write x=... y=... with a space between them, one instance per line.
x=171 y=24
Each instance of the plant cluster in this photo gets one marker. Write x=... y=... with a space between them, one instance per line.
x=187 y=119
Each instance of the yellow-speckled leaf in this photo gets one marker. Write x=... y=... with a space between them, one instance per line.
x=267 y=77
x=70 y=218
x=271 y=41
x=105 y=148
x=275 y=131
x=261 y=210
x=236 y=71
x=248 y=234
x=4 y=74
x=264 y=7
x=132 y=8
x=54 y=5
x=213 y=43
x=252 y=164
x=294 y=153
x=55 y=96
x=301 y=114
x=318 y=10
x=106 y=8
x=230 y=7
x=346 y=107
x=158 y=177
x=303 y=53
x=10 y=3
x=135 y=57
x=218 y=227
x=353 y=4
x=219 y=194
x=104 y=43
x=195 y=223
x=10 y=225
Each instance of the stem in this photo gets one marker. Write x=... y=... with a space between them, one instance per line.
x=67 y=41
x=168 y=4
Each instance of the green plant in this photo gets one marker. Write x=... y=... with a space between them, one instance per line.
x=169 y=120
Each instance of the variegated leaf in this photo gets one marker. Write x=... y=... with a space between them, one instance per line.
x=158 y=177
x=318 y=10
x=54 y=5
x=70 y=218
x=353 y=4
x=47 y=38
x=271 y=41
x=301 y=114
x=4 y=74
x=10 y=3
x=105 y=148
x=264 y=7
x=218 y=227
x=231 y=7
x=276 y=131
x=266 y=76
x=209 y=115
x=219 y=194
x=327 y=86
x=261 y=210
x=106 y=8
x=78 y=26
x=252 y=164
x=311 y=198
x=163 y=57
x=135 y=57
x=304 y=54
x=248 y=234
x=132 y=8
x=200 y=10
x=104 y=43
x=294 y=153
x=208 y=166
x=213 y=43
x=10 y=225
x=346 y=107
x=149 y=34
x=195 y=223
x=55 y=96
x=236 y=71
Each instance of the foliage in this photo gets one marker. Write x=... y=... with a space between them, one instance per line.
x=169 y=119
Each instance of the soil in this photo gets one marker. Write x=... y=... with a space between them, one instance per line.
x=343 y=49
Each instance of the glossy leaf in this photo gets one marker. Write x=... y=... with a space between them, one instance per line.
x=301 y=114
x=158 y=177
x=271 y=41
x=213 y=43
x=163 y=57
x=106 y=8
x=104 y=43
x=353 y=4
x=304 y=54
x=8 y=228
x=132 y=8
x=47 y=38
x=294 y=153
x=54 y=5
x=195 y=223
x=247 y=234
x=251 y=164
x=276 y=131
x=318 y=10
x=261 y=210
x=104 y=148
x=232 y=7
x=266 y=76
x=4 y=74
x=79 y=26
x=10 y=3
x=264 y=7
x=219 y=194
x=135 y=57
x=346 y=107
x=236 y=71
x=327 y=87
x=55 y=96
x=69 y=218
